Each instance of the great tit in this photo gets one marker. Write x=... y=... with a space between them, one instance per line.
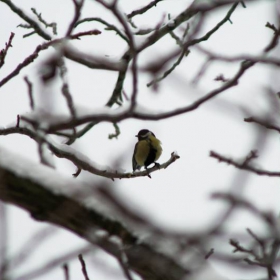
x=147 y=150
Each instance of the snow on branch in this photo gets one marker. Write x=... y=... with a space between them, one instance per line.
x=52 y=198
x=81 y=161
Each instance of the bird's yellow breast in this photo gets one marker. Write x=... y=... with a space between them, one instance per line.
x=142 y=151
x=144 y=148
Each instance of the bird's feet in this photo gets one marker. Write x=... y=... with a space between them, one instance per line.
x=156 y=165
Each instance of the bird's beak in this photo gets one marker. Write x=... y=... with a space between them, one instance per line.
x=136 y=135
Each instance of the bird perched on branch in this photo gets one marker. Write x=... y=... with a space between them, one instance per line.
x=147 y=150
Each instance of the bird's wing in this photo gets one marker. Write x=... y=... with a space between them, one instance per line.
x=156 y=145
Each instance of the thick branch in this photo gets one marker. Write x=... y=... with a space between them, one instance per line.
x=37 y=198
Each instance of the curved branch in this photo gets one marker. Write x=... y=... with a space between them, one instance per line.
x=243 y=166
x=109 y=26
x=81 y=161
x=139 y=114
x=70 y=53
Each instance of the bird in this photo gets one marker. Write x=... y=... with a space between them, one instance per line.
x=147 y=150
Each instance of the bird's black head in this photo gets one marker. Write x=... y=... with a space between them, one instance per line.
x=144 y=134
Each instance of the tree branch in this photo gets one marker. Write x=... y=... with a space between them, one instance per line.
x=32 y=23
x=82 y=162
x=26 y=192
x=243 y=166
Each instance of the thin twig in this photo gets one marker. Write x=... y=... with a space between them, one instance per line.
x=84 y=268
x=137 y=114
x=86 y=33
x=91 y=62
x=3 y=52
x=117 y=132
x=65 y=89
x=263 y=123
x=66 y=271
x=30 y=21
x=241 y=166
x=209 y=254
x=28 y=60
x=78 y=4
x=192 y=42
x=143 y=10
x=46 y=267
x=30 y=92
x=53 y=25
x=124 y=265
x=110 y=27
x=169 y=71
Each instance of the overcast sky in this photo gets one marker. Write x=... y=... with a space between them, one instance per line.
x=178 y=197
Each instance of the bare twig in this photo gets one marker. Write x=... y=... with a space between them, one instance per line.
x=221 y=78
x=117 y=132
x=124 y=265
x=187 y=14
x=77 y=173
x=252 y=155
x=113 y=7
x=169 y=71
x=30 y=246
x=209 y=254
x=53 y=25
x=256 y=59
x=84 y=268
x=18 y=121
x=3 y=52
x=192 y=42
x=265 y=259
x=263 y=123
x=258 y=240
x=78 y=4
x=109 y=26
x=65 y=89
x=275 y=39
x=28 y=60
x=66 y=271
x=86 y=33
x=35 y=273
x=241 y=166
x=239 y=248
x=68 y=97
x=147 y=116
x=30 y=21
x=30 y=92
x=89 y=61
x=201 y=71
x=143 y=10
x=237 y=201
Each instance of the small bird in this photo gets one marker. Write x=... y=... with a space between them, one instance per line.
x=147 y=150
